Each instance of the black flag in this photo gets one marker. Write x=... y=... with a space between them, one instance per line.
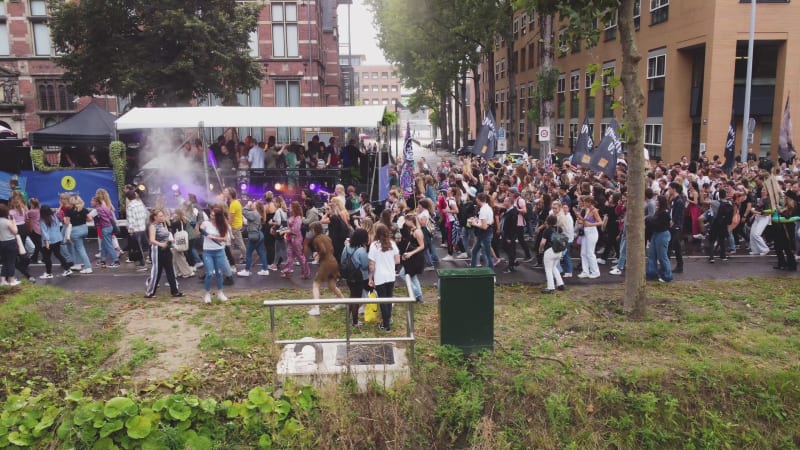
x=604 y=159
x=730 y=148
x=582 y=155
x=486 y=141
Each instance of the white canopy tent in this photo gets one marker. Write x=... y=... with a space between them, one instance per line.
x=245 y=116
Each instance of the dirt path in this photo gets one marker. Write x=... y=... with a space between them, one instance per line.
x=166 y=328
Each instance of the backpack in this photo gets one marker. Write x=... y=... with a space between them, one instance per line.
x=558 y=241
x=349 y=270
x=465 y=209
x=724 y=214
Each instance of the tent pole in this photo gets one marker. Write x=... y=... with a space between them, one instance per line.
x=201 y=132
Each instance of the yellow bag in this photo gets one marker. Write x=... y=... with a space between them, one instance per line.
x=371 y=313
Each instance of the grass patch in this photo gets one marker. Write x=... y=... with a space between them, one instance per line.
x=715 y=365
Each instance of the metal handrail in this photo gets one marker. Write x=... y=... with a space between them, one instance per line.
x=409 y=337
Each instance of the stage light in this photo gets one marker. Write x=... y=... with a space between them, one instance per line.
x=312 y=186
x=278 y=186
x=211 y=187
x=142 y=187
x=243 y=187
x=175 y=187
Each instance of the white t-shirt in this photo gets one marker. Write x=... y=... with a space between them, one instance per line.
x=384 y=262
x=423 y=214
x=486 y=214
x=208 y=243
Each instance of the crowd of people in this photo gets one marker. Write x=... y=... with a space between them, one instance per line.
x=481 y=212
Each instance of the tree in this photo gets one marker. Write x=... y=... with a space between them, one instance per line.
x=167 y=52
x=581 y=17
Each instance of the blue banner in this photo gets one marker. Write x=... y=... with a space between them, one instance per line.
x=383 y=182
x=5 y=189
x=46 y=186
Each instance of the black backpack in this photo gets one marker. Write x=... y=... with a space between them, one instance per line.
x=465 y=210
x=349 y=270
x=724 y=213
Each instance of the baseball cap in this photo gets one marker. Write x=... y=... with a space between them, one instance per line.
x=514 y=190
x=472 y=191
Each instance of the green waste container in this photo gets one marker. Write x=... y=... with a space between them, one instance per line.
x=466 y=308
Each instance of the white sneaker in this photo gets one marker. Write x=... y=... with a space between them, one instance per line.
x=338 y=307
x=699 y=236
x=583 y=275
x=221 y=296
x=97 y=255
x=313 y=311
x=76 y=267
x=297 y=263
x=462 y=256
x=595 y=275
x=67 y=273
x=47 y=276
x=361 y=309
x=13 y=283
x=198 y=265
x=615 y=271
x=243 y=273
x=86 y=271
x=448 y=258
x=567 y=275
x=4 y=283
x=207 y=298
x=601 y=261
x=263 y=272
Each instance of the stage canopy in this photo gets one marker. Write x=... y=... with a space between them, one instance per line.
x=245 y=116
x=90 y=126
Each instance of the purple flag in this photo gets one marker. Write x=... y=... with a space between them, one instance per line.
x=407 y=168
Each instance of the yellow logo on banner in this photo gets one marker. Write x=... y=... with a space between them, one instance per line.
x=68 y=183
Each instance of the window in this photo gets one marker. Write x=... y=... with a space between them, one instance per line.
x=502 y=69
x=384 y=88
x=659 y=11
x=610 y=32
x=38 y=8
x=253 y=43
x=560 y=134
x=385 y=101
x=394 y=88
x=41 y=39
x=590 y=78
x=250 y=98
x=384 y=75
x=516 y=27
x=54 y=96
x=522 y=22
x=365 y=89
x=561 y=88
x=287 y=93
x=374 y=75
x=4 y=40
x=522 y=60
x=375 y=88
x=574 y=100
x=285 y=39
x=563 y=46
x=608 y=91
x=394 y=75
x=573 y=134
x=652 y=140
x=656 y=72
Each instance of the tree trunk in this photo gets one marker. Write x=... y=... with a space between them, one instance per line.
x=450 y=133
x=546 y=110
x=464 y=109
x=635 y=298
x=457 y=113
x=476 y=91
x=443 y=118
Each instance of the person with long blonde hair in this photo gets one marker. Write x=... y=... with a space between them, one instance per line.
x=216 y=235
x=383 y=256
x=76 y=218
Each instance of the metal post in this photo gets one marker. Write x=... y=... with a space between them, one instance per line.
x=749 y=83
x=201 y=132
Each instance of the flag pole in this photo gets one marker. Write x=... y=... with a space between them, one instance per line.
x=749 y=83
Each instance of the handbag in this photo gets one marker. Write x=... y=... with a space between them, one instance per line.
x=371 y=314
x=253 y=235
x=181 y=242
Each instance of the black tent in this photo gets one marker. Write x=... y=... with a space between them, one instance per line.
x=90 y=126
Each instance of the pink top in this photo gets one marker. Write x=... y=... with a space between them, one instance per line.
x=19 y=217
x=34 y=218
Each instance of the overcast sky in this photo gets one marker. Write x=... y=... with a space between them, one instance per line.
x=362 y=32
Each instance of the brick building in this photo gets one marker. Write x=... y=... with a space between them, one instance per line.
x=378 y=85
x=296 y=44
x=694 y=57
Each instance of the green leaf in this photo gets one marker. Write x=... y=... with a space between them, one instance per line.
x=138 y=427
x=265 y=442
x=110 y=427
x=118 y=406
x=283 y=408
x=74 y=396
x=83 y=416
x=65 y=428
x=192 y=400
x=292 y=426
x=48 y=419
x=180 y=412
x=258 y=396
x=198 y=443
x=160 y=404
x=3 y=431
x=208 y=405
x=17 y=438
x=105 y=444
x=14 y=403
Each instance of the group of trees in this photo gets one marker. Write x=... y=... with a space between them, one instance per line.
x=437 y=44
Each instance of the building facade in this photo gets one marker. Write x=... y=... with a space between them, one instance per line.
x=296 y=44
x=694 y=58
x=377 y=85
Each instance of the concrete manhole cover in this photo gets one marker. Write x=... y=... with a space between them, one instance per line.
x=366 y=354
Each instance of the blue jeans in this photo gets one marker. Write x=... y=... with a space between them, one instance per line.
x=215 y=263
x=258 y=246
x=623 y=251
x=658 y=265
x=79 y=256
x=483 y=246
x=566 y=260
x=107 y=245
x=416 y=288
x=466 y=236
x=430 y=252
